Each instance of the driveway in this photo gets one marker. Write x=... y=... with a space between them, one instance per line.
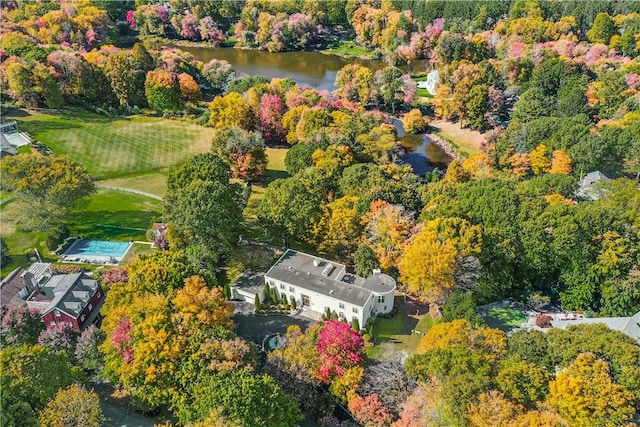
x=255 y=328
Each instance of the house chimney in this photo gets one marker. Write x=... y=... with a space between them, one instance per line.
x=376 y=271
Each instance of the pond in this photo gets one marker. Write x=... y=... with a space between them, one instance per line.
x=319 y=71
x=420 y=151
x=314 y=69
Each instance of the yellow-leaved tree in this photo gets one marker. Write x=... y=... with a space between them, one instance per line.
x=434 y=254
x=585 y=395
x=560 y=163
x=540 y=160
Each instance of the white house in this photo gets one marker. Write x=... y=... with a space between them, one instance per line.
x=431 y=84
x=317 y=284
x=589 y=187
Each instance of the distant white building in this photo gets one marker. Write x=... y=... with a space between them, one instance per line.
x=431 y=84
x=588 y=186
x=317 y=284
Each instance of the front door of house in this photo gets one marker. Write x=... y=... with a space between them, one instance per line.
x=305 y=301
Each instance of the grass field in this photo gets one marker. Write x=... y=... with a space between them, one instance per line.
x=348 y=49
x=397 y=331
x=504 y=318
x=422 y=93
x=117 y=147
x=275 y=170
x=108 y=215
x=465 y=141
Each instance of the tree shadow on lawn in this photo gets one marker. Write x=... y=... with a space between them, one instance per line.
x=35 y=127
x=272 y=174
x=119 y=225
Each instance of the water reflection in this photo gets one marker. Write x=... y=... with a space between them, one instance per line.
x=306 y=68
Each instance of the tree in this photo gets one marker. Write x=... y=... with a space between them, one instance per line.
x=87 y=353
x=20 y=81
x=415 y=122
x=189 y=88
x=584 y=394
x=254 y=400
x=208 y=211
x=230 y=110
x=539 y=160
x=217 y=73
x=20 y=326
x=163 y=90
x=198 y=306
x=560 y=163
x=73 y=406
x=370 y=412
x=478 y=105
x=365 y=260
x=25 y=388
x=50 y=186
x=289 y=206
x=492 y=409
x=339 y=229
x=204 y=167
x=298 y=158
x=340 y=348
x=601 y=30
x=524 y=383
x=5 y=257
x=127 y=79
x=390 y=382
x=387 y=228
x=460 y=305
x=429 y=259
x=245 y=152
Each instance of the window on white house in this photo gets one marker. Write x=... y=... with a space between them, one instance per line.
x=341 y=305
x=291 y=289
x=355 y=310
x=381 y=298
x=282 y=286
x=341 y=314
x=354 y=318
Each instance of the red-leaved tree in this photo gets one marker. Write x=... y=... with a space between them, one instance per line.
x=340 y=348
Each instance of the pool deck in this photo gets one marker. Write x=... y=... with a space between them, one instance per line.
x=92 y=258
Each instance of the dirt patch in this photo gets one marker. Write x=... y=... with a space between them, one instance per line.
x=468 y=141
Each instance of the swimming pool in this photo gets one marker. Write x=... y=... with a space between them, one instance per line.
x=96 y=250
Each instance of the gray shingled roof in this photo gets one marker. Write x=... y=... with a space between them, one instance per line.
x=69 y=292
x=342 y=291
x=628 y=325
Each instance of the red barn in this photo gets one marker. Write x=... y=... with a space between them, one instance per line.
x=75 y=299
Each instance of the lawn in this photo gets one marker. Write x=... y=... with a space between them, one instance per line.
x=348 y=49
x=504 y=315
x=114 y=215
x=398 y=330
x=275 y=170
x=116 y=147
x=422 y=93
x=465 y=141
x=108 y=215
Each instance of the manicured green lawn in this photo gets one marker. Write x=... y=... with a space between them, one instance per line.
x=504 y=318
x=114 y=215
x=275 y=170
x=115 y=147
x=397 y=330
x=108 y=215
x=422 y=93
x=348 y=49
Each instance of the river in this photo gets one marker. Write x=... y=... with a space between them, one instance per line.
x=319 y=71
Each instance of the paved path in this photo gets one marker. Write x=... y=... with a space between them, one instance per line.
x=256 y=327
